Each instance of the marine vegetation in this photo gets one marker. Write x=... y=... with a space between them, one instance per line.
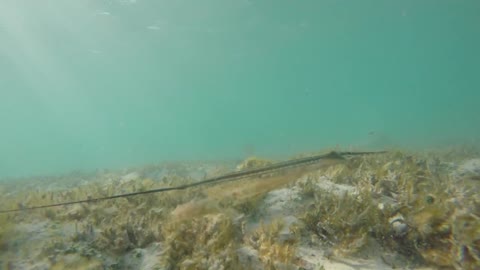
x=414 y=209
x=273 y=251
x=404 y=202
x=205 y=242
x=6 y=227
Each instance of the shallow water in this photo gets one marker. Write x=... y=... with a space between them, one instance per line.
x=105 y=97
x=107 y=84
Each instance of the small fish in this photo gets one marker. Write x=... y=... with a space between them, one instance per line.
x=103 y=13
x=153 y=27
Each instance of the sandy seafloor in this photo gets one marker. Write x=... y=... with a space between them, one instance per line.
x=399 y=210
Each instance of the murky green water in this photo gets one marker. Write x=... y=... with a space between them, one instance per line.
x=94 y=84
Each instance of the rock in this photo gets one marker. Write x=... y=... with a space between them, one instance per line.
x=110 y=211
x=280 y=201
x=285 y=234
x=77 y=212
x=252 y=163
x=187 y=264
x=76 y=261
x=316 y=258
x=157 y=174
x=248 y=257
x=399 y=227
x=396 y=260
x=149 y=258
x=130 y=177
x=470 y=168
x=339 y=189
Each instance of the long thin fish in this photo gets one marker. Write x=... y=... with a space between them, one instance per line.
x=226 y=177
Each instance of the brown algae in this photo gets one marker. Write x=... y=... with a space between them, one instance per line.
x=412 y=205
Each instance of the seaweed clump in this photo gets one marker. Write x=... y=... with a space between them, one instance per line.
x=206 y=242
x=410 y=205
x=253 y=162
x=343 y=222
x=273 y=251
x=6 y=227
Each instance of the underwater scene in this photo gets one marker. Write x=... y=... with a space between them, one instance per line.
x=239 y=134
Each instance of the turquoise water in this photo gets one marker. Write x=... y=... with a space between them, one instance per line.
x=103 y=84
